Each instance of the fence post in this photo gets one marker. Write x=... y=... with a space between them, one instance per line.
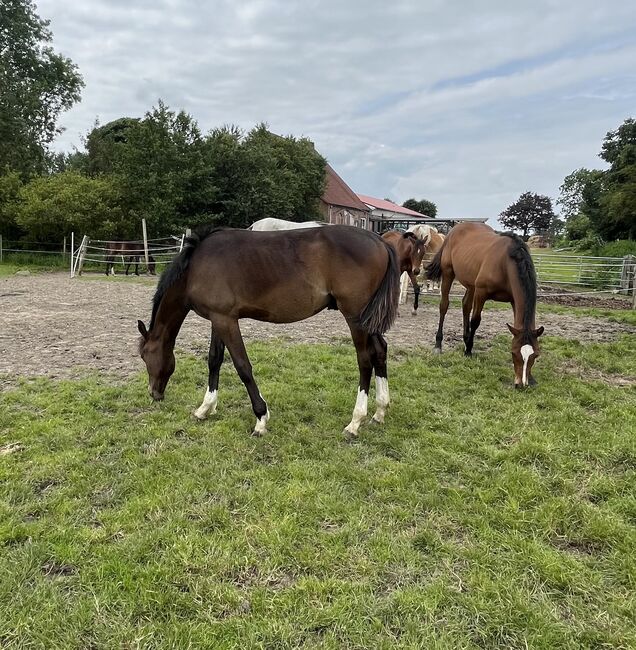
x=72 y=253
x=633 y=282
x=143 y=226
x=64 y=248
x=0 y=248
x=82 y=254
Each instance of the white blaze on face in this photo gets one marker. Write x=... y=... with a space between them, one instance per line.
x=526 y=352
x=209 y=404
x=359 y=413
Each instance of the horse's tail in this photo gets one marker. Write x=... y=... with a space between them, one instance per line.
x=434 y=268
x=380 y=312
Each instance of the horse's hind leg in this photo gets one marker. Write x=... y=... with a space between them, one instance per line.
x=378 y=358
x=364 y=352
x=467 y=303
x=479 y=299
x=215 y=359
x=416 y=291
x=447 y=281
x=229 y=332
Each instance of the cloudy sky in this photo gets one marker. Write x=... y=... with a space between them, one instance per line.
x=466 y=104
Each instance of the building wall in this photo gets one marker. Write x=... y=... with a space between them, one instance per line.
x=336 y=214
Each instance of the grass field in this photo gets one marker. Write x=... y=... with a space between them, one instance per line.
x=476 y=517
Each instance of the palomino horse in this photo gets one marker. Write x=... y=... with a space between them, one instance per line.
x=277 y=277
x=130 y=253
x=491 y=267
x=282 y=224
x=410 y=251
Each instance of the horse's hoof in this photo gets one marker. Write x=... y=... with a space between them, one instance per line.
x=437 y=350
x=468 y=353
x=414 y=312
x=257 y=434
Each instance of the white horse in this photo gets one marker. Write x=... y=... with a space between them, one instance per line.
x=281 y=224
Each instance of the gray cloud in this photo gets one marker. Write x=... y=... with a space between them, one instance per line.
x=467 y=105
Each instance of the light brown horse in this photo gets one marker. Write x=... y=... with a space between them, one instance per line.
x=277 y=277
x=434 y=244
x=410 y=251
x=491 y=266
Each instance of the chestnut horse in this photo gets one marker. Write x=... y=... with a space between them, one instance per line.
x=277 y=277
x=410 y=251
x=130 y=253
x=491 y=266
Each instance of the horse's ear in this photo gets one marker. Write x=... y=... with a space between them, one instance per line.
x=409 y=235
x=513 y=330
x=538 y=332
x=142 y=329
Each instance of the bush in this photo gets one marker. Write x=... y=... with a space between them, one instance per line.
x=618 y=248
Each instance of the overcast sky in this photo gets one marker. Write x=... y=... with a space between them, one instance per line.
x=467 y=104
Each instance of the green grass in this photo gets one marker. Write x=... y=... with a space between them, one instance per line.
x=477 y=517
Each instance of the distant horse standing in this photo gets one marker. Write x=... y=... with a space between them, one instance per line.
x=270 y=223
x=130 y=253
x=277 y=277
x=410 y=251
x=492 y=267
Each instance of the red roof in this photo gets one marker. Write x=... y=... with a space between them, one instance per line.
x=337 y=192
x=382 y=204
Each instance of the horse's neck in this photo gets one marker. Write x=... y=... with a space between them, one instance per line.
x=169 y=318
x=519 y=298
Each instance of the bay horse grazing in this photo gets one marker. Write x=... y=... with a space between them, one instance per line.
x=491 y=266
x=278 y=277
x=410 y=251
x=130 y=253
x=270 y=223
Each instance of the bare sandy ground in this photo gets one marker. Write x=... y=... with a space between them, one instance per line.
x=53 y=326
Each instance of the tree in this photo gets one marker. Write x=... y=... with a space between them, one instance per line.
x=530 y=212
x=50 y=207
x=618 y=200
x=36 y=85
x=423 y=206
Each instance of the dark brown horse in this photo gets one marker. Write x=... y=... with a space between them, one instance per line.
x=277 y=277
x=410 y=251
x=130 y=253
x=491 y=266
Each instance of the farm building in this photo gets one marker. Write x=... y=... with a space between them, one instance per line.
x=341 y=205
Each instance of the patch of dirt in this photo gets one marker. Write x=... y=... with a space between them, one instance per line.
x=581 y=372
x=53 y=326
x=599 y=302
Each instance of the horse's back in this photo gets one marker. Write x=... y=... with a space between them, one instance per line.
x=285 y=276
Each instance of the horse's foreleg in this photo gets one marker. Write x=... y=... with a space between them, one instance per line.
x=404 y=284
x=479 y=299
x=361 y=340
x=381 y=379
x=447 y=281
x=215 y=359
x=416 y=291
x=229 y=332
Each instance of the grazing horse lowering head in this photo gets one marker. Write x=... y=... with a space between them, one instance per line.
x=159 y=360
x=525 y=351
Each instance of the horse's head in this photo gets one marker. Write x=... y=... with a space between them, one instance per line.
x=525 y=350
x=159 y=360
x=418 y=248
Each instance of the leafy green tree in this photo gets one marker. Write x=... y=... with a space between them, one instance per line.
x=104 y=145
x=10 y=185
x=423 y=206
x=36 y=85
x=618 y=201
x=530 y=212
x=50 y=207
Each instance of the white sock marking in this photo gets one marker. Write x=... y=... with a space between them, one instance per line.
x=261 y=425
x=359 y=413
x=209 y=404
x=404 y=285
x=381 y=398
x=526 y=352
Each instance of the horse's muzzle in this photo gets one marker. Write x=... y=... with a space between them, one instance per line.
x=155 y=394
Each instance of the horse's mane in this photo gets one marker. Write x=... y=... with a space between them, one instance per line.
x=519 y=252
x=179 y=265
